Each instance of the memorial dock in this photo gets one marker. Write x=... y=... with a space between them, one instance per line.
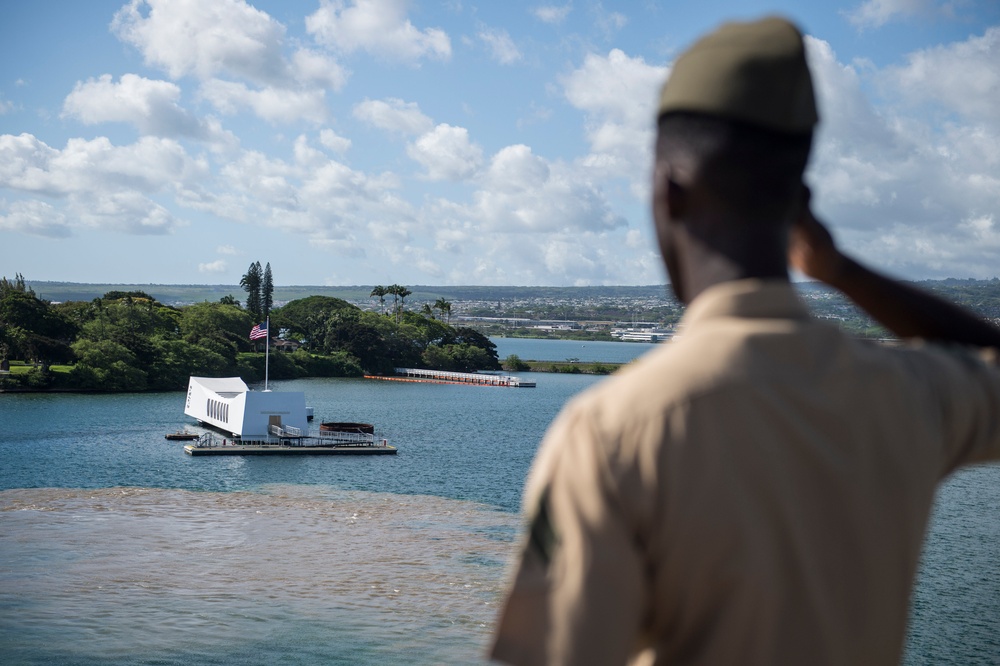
x=445 y=377
x=320 y=449
x=289 y=441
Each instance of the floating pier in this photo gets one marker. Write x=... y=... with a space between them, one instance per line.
x=445 y=377
x=289 y=441
x=285 y=450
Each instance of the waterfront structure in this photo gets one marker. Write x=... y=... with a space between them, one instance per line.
x=447 y=377
x=227 y=404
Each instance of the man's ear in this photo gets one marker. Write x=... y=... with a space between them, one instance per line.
x=805 y=200
x=677 y=199
x=670 y=197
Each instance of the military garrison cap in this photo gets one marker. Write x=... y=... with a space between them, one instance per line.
x=750 y=72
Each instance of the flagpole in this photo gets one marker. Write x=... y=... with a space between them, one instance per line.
x=267 y=348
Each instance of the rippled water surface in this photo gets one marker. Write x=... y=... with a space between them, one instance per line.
x=288 y=574
x=117 y=548
x=561 y=350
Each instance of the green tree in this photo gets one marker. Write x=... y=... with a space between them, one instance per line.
x=444 y=307
x=474 y=338
x=351 y=331
x=17 y=284
x=229 y=299
x=131 y=319
x=456 y=358
x=399 y=294
x=380 y=292
x=216 y=327
x=251 y=283
x=393 y=290
x=403 y=293
x=31 y=328
x=513 y=363
x=176 y=360
x=107 y=366
x=428 y=331
x=266 y=292
x=305 y=318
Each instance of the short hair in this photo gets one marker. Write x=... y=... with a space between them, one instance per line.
x=752 y=169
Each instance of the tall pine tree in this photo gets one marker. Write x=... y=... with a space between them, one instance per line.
x=251 y=284
x=266 y=292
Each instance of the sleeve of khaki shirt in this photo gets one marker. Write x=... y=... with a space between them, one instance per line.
x=973 y=411
x=578 y=592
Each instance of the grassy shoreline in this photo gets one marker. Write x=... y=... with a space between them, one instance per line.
x=573 y=367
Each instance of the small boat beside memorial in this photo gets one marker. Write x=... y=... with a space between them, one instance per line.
x=181 y=436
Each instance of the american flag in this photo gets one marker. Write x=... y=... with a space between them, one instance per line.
x=258 y=331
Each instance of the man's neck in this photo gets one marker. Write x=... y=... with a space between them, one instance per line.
x=737 y=258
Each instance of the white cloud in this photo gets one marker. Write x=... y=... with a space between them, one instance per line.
x=394 y=115
x=6 y=107
x=204 y=38
x=379 y=27
x=338 y=208
x=101 y=184
x=149 y=105
x=334 y=142
x=618 y=94
x=447 y=153
x=272 y=104
x=306 y=156
x=963 y=77
x=316 y=68
x=225 y=43
x=33 y=217
x=609 y=22
x=876 y=13
x=217 y=266
x=906 y=191
x=552 y=13
x=126 y=211
x=227 y=249
x=149 y=165
x=616 y=86
x=523 y=192
x=500 y=46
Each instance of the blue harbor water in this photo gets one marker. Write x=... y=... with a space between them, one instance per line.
x=529 y=349
x=117 y=548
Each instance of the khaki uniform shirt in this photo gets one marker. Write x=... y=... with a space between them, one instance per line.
x=754 y=492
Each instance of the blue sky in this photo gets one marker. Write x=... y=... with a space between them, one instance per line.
x=455 y=142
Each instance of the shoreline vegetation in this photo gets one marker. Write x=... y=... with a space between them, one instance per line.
x=528 y=365
x=128 y=341
x=64 y=338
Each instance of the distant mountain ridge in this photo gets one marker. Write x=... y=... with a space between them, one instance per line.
x=180 y=294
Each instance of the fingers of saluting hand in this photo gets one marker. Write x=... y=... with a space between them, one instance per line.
x=811 y=248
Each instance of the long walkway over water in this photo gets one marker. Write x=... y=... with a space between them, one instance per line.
x=445 y=377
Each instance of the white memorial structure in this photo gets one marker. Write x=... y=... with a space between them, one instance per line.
x=228 y=404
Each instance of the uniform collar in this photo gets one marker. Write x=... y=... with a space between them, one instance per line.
x=764 y=299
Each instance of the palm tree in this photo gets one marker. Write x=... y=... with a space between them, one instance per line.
x=393 y=290
x=399 y=294
x=380 y=292
x=403 y=293
x=426 y=311
x=444 y=306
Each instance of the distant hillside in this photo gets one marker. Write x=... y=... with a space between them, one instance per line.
x=982 y=296
x=184 y=294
